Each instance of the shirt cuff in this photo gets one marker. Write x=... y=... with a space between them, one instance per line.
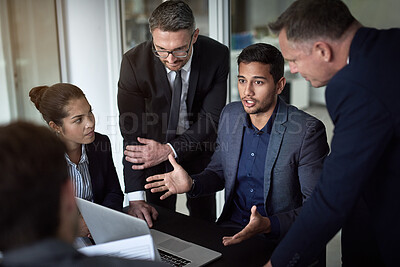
x=275 y=227
x=137 y=195
x=173 y=150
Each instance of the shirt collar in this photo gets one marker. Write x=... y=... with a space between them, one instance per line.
x=83 y=158
x=268 y=127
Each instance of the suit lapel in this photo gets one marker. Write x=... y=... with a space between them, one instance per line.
x=234 y=142
x=94 y=169
x=194 y=76
x=162 y=88
x=161 y=80
x=274 y=145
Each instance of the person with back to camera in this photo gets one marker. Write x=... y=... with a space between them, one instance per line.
x=66 y=110
x=39 y=216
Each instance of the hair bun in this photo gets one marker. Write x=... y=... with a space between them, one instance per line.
x=36 y=95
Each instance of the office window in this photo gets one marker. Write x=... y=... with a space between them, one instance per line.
x=135 y=15
x=249 y=20
x=28 y=32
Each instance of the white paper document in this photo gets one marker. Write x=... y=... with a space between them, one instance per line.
x=140 y=247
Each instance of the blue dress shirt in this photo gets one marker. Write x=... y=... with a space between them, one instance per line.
x=250 y=177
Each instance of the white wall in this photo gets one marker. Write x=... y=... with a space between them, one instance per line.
x=5 y=106
x=93 y=54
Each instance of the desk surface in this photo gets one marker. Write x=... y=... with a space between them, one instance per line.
x=253 y=252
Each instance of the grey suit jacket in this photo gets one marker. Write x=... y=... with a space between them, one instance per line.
x=296 y=151
x=53 y=252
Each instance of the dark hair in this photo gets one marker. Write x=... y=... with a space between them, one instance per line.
x=309 y=19
x=172 y=16
x=51 y=101
x=264 y=53
x=33 y=170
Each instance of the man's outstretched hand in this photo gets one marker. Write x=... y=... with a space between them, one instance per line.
x=176 y=182
x=257 y=225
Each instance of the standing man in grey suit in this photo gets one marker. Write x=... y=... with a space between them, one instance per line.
x=171 y=91
x=39 y=217
x=269 y=155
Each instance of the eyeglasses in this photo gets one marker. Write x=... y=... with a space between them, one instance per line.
x=175 y=53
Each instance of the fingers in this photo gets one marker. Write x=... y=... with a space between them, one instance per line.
x=133 y=148
x=159 y=189
x=136 y=213
x=167 y=194
x=155 y=177
x=142 y=210
x=139 y=167
x=173 y=161
x=254 y=211
x=145 y=140
x=154 y=214
x=147 y=217
x=230 y=240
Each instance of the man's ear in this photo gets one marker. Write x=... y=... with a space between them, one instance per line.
x=280 y=85
x=195 y=35
x=323 y=50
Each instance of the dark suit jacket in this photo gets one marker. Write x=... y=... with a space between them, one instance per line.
x=53 y=252
x=144 y=99
x=360 y=184
x=296 y=151
x=105 y=184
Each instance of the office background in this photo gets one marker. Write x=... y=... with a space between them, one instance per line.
x=82 y=42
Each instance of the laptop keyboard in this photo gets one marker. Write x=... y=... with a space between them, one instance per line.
x=172 y=259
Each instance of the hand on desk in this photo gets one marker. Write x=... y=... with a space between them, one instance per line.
x=140 y=209
x=257 y=225
x=176 y=182
x=83 y=230
x=150 y=154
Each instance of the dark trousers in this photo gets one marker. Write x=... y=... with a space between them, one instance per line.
x=201 y=207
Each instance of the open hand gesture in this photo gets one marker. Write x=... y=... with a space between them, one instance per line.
x=257 y=225
x=176 y=182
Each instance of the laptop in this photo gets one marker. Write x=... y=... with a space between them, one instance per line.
x=106 y=225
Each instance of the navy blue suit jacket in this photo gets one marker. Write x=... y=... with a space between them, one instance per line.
x=360 y=185
x=105 y=184
x=296 y=151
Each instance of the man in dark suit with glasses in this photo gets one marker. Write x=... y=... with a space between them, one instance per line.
x=170 y=94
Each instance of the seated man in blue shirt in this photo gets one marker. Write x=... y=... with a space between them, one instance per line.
x=269 y=155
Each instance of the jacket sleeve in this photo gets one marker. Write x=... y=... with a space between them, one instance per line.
x=212 y=179
x=363 y=129
x=131 y=105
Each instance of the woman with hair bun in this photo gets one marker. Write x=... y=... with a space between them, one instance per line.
x=90 y=165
